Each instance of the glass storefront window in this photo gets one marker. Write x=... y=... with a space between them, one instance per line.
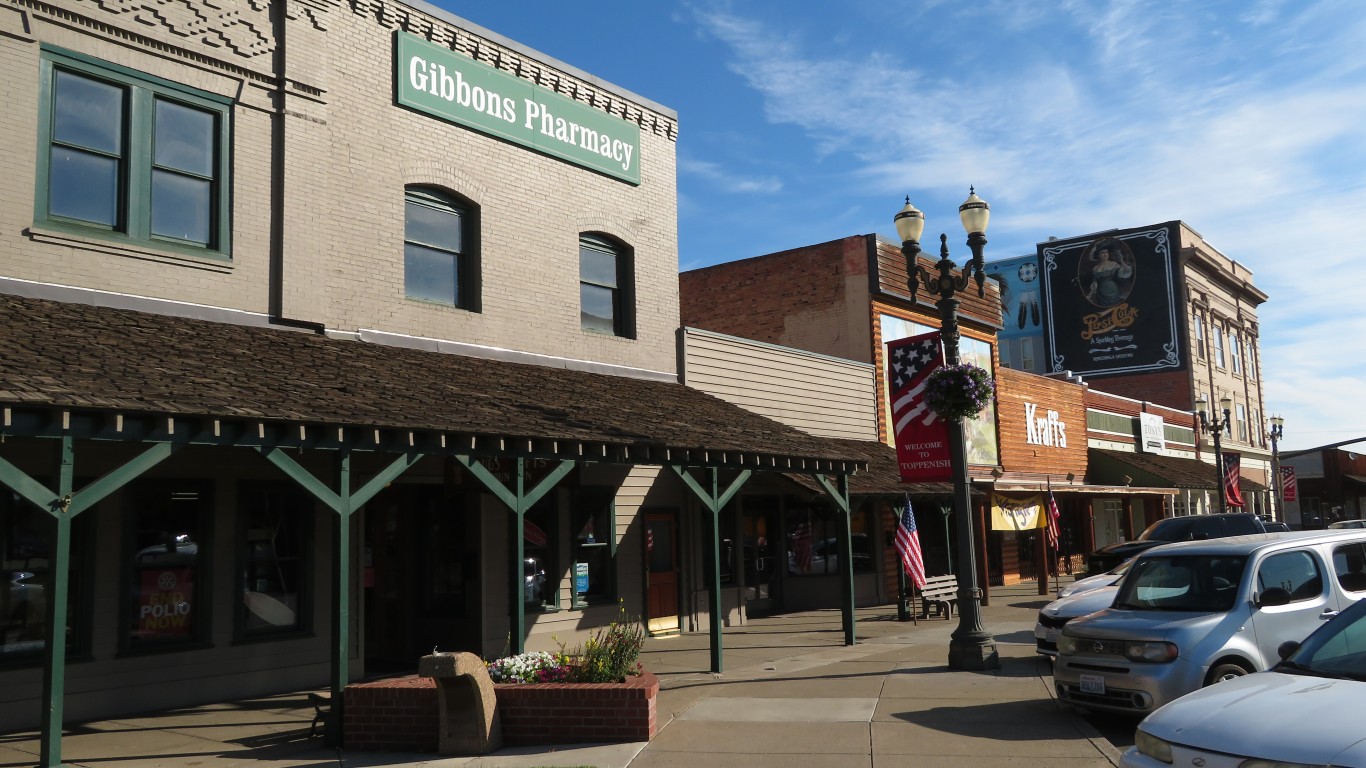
x=542 y=586
x=276 y=523
x=592 y=520
x=813 y=543
x=168 y=533
x=27 y=542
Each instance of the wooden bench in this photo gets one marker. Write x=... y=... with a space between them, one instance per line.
x=940 y=592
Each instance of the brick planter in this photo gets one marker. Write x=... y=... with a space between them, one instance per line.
x=400 y=714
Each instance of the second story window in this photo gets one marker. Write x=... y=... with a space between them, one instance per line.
x=605 y=287
x=1242 y=422
x=439 y=262
x=1199 y=325
x=1218 y=347
x=129 y=157
x=1234 y=352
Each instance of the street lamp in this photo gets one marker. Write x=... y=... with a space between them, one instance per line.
x=1276 y=431
x=970 y=647
x=1216 y=426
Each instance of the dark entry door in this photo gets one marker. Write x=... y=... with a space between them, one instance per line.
x=420 y=575
x=759 y=524
x=661 y=562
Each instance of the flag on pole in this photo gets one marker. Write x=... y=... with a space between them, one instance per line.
x=1052 y=521
x=908 y=544
x=1233 y=495
x=801 y=547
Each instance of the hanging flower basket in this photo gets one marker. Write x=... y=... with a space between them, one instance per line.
x=958 y=392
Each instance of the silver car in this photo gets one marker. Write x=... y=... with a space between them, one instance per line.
x=1195 y=613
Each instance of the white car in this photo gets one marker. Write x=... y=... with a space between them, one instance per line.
x=1302 y=712
x=1054 y=616
x=1109 y=578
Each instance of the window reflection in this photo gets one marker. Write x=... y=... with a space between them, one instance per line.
x=168 y=526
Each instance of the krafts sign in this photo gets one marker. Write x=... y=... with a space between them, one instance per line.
x=435 y=80
x=922 y=438
x=1112 y=302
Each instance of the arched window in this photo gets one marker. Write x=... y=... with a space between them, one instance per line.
x=606 y=291
x=440 y=261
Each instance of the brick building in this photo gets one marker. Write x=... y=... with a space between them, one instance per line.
x=335 y=332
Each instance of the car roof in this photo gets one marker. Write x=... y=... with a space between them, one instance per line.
x=1248 y=544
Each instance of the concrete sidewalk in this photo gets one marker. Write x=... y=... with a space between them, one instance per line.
x=791 y=695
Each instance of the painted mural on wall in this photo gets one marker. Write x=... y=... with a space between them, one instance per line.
x=1021 y=302
x=1112 y=302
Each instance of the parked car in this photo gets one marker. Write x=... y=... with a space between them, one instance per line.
x=1348 y=524
x=1297 y=713
x=1275 y=526
x=1194 y=613
x=1109 y=578
x=1054 y=616
x=1186 y=528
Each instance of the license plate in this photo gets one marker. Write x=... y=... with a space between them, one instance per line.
x=1093 y=684
x=1051 y=635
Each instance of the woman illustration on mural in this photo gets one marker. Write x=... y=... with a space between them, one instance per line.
x=1108 y=273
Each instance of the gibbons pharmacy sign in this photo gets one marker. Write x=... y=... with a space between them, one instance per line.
x=456 y=88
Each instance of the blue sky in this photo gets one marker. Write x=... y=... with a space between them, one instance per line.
x=802 y=122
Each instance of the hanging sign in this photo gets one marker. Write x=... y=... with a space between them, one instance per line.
x=922 y=438
x=1020 y=513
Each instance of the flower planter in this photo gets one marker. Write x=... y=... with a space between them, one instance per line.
x=400 y=714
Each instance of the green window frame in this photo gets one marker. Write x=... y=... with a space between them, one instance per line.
x=440 y=249
x=132 y=158
x=593 y=526
x=606 y=287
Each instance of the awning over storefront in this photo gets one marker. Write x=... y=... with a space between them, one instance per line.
x=1150 y=469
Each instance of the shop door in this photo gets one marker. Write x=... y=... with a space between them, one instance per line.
x=1108 y=529
x=758 y=524
x=420 y=574
x=661 y=562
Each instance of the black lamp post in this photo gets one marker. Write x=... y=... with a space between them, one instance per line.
x=1216 y=426
x=1276 y=431
x=971 y=647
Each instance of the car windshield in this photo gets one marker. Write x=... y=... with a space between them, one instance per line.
x=1337 y=649
x=1170 y=529
x=1193 y=583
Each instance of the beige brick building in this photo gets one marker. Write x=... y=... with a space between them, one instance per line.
x=428 y=274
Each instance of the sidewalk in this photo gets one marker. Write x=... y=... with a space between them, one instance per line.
x=791 y=695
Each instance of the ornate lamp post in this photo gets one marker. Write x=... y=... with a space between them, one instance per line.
x=1216 y=426
x=970 y=647
x=1276 y=431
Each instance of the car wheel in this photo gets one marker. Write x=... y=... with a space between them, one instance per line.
x=1227 y=671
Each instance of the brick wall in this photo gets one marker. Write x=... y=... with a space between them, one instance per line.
x=400 y=714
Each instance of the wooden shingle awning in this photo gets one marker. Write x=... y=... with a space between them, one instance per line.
x=116 y=374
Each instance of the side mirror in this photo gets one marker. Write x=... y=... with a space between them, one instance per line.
x=1287 y=648
x=1273 y=597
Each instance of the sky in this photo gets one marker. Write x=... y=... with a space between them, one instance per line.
x=802 y=122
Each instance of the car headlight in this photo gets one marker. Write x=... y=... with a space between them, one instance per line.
x=1255 y=763
x=1154 y=747
x=1067 y=644
x=1155 y=652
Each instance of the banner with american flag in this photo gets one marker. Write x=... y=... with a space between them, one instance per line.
x=1233 y=496
x=922 y=438
x=1053 y=522
x=908 y=545
x=1289 y=488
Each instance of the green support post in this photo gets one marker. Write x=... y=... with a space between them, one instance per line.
x=714 y=500
x=844 y=538
x=54 y=667
x=340 y=667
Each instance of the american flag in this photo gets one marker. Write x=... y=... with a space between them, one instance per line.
x=908 y=544
x=1052 y=522
x=910 y=366
x=1232 y=473
x=801 y=547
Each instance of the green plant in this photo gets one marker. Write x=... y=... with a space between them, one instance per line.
x=958 y=392
x=612 y=653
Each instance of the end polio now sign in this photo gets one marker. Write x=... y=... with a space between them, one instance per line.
x=440 y=82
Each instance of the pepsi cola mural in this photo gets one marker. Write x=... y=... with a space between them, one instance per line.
x=1112 y=302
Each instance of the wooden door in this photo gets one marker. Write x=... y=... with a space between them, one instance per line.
x=661 y=566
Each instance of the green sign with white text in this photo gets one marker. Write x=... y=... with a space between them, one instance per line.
x=456 y=88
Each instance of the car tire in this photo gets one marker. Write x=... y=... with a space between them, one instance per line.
x=1225 y=671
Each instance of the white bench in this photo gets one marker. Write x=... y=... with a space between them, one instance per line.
x=940 y=592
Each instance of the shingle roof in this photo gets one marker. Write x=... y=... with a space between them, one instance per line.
x=84 y=357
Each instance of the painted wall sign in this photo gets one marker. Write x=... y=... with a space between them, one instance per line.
x=1048 y=429
x=437 y=81
x=1112 y=302
x=1152 y=431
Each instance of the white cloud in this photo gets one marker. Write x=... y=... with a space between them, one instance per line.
x=728 y=181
